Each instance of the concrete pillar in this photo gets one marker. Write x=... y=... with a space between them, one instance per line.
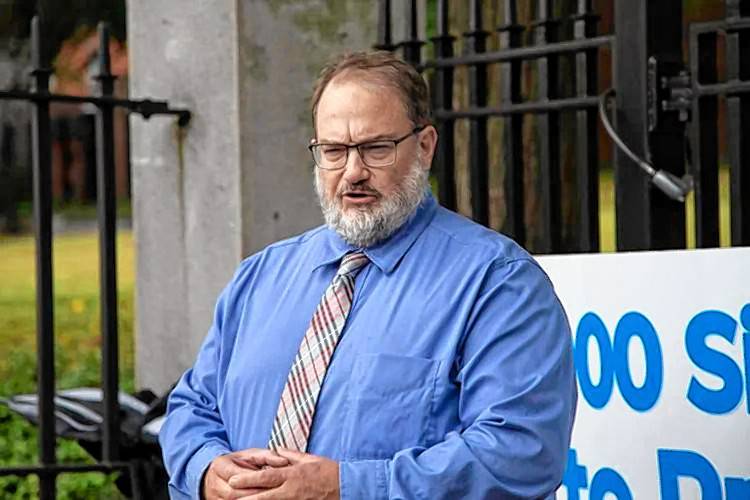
x=240 y=176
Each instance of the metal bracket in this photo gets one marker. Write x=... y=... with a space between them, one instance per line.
x=667 y=94
x=652 y=94
x=679 y=94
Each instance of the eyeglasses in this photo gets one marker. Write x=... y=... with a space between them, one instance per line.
x=376 y=154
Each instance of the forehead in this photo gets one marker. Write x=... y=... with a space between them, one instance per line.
x=352 y=108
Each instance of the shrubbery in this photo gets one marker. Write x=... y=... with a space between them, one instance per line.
x=77 y=351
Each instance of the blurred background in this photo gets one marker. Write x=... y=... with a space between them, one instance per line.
x=72 y=38
x=72 y=41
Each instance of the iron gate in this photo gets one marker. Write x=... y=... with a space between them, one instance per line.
x=40 y=97
x=665 y=115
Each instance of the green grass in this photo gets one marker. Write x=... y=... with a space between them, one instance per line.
x=607 y=212
x=76 y=209
x=77 y=347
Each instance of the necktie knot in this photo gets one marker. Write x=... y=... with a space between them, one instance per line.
x=352 y=264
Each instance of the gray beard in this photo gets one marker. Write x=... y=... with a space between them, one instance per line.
x=364 y=228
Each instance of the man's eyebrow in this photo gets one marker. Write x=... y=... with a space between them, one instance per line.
x=377 y=137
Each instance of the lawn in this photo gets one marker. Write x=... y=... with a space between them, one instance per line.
x=77 y=346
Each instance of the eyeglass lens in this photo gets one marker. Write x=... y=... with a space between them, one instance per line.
x=372 y=154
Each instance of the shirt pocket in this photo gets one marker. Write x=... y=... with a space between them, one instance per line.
x=389 y=405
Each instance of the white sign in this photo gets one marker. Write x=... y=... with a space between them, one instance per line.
x=662 y=354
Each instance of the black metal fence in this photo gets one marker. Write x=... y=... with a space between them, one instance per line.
x=40 y=97
x=704 y=93
x=556 y=59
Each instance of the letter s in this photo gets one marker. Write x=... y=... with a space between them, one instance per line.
x=712 y=401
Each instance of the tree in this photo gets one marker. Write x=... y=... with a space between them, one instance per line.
x=60 y=19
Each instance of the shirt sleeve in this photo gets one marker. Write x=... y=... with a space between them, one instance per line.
x=193 y=433
x=516 y=406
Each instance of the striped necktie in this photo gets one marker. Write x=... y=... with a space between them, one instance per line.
x=294 y=417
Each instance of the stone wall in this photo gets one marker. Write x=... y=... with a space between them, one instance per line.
x=240 y=176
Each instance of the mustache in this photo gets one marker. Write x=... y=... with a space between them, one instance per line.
x=357 y=188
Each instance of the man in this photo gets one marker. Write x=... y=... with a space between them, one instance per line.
x=437 y=363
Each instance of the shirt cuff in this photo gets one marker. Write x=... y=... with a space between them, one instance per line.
x=363 y=479
x=198 y=464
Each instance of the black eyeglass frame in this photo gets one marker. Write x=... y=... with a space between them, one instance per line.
x=348 y=147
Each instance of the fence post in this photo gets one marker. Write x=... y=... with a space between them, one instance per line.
x=105 y=196
x=385 y=29
x=412 y=45
x=476 y=39
x=738 y=68
x=442 y=94
x=42 y=166
x=510 y=38
x=646 y=218
x=705 y=141
x=587 y=143
x=548 y=126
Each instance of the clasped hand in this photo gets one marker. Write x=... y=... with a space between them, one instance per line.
x=261 y=474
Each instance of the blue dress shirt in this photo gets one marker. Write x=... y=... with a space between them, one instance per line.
x=453 y=377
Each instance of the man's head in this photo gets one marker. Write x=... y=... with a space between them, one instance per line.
x=380 y=103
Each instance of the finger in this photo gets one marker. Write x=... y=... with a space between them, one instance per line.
x=274 y=494
x=219 y=489
x=226 y=467
x=244 y=493
x=260 y=457
x=246 y=463
x=266 y=478
x=293 y=456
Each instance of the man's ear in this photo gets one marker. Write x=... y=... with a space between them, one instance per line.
x=427 y=141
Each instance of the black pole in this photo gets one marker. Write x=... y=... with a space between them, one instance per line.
x=442 y=94
x=42 y=167
x=510 y=38
x=705 y=141
x=412 y=46
x=105 y=176
x=550 y=237
x=385 y=36
x=738 y=107
x=646 y=218
x=475 y=43
x=587 y=144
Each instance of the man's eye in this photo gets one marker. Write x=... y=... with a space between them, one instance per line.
x=333 y=151
x=377 y=150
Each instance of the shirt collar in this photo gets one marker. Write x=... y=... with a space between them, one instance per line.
x=387 y=254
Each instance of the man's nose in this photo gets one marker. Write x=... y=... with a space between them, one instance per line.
x=355 y=170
